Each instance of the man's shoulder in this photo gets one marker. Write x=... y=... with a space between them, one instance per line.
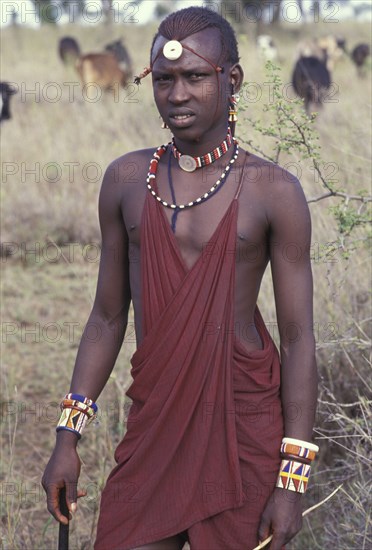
x=139 y=155
x=130 y=166
x=270 y=179
x=269 y=175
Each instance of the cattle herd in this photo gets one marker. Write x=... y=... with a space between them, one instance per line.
x=112 y=67
x=314 y=65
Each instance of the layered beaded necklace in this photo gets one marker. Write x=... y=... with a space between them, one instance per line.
x=151 y=176
x=189 y=163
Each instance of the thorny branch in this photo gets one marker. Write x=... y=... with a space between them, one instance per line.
x=340 y=194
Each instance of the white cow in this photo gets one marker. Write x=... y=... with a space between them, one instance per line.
x=266 y=47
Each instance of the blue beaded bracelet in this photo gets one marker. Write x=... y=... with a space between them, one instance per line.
x=82 y=399
x=60 y=428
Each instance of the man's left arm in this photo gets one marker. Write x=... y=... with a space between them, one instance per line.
x=290 y=240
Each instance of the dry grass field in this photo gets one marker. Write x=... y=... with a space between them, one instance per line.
x=54 y=152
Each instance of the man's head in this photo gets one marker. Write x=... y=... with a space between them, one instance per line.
x=183 y=23
x=200 y=79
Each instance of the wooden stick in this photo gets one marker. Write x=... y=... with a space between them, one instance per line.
x=269 y=539
x=63 y=529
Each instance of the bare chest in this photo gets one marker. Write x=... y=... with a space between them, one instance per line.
x=195 y=230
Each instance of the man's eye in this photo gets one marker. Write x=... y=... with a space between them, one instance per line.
x=196 y=76
x=163 y=78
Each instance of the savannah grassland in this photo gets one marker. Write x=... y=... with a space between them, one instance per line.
x=47 y=295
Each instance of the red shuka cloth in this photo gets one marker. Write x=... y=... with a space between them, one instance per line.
x=205 y=426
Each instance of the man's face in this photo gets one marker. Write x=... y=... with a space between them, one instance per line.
x=191 y=98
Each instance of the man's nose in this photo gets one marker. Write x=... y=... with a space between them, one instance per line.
x=179 y=92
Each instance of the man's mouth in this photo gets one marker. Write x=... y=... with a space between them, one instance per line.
x=181 y=120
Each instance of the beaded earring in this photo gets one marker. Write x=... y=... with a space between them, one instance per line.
x=233 y=108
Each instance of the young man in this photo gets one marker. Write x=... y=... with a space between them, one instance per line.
x=211 y=400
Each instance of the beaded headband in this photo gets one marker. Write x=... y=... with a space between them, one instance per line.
x=172 y=50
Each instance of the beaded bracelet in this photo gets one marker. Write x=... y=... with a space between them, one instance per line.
x=73 y=421
x=301 y=459
x=90 y=415
x=300 y=443
x=77 y=412
x=293 y=476
x=82 y=399
x=73 y=403
x=297 y=450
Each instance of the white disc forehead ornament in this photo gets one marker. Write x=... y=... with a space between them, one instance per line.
x=172 y=50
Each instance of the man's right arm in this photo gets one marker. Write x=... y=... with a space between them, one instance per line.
x=105 y=329
x=101 y=340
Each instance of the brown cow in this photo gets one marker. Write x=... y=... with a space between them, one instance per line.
x=121 y=53
x=102 y=69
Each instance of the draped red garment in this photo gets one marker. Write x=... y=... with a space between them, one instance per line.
x=201 y=452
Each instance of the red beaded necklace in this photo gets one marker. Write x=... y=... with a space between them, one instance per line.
x=151 y=176
x=189 y=163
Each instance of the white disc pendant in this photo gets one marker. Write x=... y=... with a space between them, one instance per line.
x=187 y=163
x=172 y=50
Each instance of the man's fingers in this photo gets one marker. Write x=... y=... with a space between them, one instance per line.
x=263 y=530
x=71 y=496
x=60 y=517
x=53 y=504
x=278 y=541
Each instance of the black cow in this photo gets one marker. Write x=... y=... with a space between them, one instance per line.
x=68 y=49
x=121 y=54
x=6 y=91
x=311 y=79
x=359 y=55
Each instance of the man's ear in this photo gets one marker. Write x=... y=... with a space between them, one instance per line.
x=236 y=77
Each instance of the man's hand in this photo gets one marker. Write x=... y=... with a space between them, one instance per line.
x=282 y=518
x=62 y=470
